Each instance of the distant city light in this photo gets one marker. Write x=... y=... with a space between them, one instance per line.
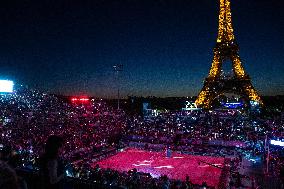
x=6 y=86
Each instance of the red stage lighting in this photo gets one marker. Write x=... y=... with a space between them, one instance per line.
x=80 y=99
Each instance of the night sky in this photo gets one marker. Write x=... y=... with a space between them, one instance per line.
x=166 y=46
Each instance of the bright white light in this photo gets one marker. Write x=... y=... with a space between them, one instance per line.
x=277 y=142
x=177 y=157
x=165 y=166
x=141 y=164
x=6 y=86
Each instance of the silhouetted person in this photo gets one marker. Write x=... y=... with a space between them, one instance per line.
x=12 y=160
x=51 y=167
x=8 y=177
x=204 y=185
x=188 y=183
x=5 y=154
x=239 y=180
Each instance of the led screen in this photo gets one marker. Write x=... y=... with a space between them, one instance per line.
x=6 y=86
x=277 y=142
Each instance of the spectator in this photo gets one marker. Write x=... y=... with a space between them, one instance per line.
x=8 y=177
x=52 y=169
x=188 y=184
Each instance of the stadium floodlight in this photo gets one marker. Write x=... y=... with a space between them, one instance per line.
x=6 y=86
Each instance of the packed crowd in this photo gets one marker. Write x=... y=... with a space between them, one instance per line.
x=227 y=126
x=28 y=117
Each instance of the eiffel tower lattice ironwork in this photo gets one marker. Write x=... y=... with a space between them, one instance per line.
x=226 y=48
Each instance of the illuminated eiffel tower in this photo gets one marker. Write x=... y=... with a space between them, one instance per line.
x=226 y=49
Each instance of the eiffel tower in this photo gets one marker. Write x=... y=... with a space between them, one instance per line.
x=226 y=49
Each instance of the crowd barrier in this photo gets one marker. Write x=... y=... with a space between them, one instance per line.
x=33 y=181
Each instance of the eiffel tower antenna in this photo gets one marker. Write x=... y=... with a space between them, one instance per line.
x=226 y=48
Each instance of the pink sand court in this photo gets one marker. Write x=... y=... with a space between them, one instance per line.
x=175 y=167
